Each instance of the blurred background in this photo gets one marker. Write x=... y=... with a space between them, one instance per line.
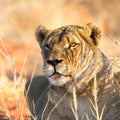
x=19 y=19
x=20 y=55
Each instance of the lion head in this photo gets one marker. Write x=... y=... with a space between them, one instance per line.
x=68 y=51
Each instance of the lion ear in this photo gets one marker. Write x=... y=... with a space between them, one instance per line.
x=94 y=33
x=41 y=33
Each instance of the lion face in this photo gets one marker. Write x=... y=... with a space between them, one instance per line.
x=65 y=51
x=60 y=58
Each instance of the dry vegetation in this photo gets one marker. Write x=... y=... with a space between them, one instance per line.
x=19 y=52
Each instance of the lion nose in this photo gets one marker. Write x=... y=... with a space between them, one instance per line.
x=54 y=62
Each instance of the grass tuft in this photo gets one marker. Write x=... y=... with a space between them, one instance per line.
x=13 y=105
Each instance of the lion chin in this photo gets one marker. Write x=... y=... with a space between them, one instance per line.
x=58 y=79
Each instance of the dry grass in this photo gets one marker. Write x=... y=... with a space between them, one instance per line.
x=13 y=105
x=17 y=25
x=16 y=87
x=74 y=106
x=95 y=111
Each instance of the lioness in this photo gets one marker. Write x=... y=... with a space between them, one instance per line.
x=78 y=82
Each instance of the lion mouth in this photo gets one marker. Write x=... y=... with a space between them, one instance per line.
x=58 y=79
x=56 y=74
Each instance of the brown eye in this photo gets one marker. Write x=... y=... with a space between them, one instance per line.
x=72 y=45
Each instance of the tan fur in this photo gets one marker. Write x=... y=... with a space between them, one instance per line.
x=74 y=68
x=117 y=81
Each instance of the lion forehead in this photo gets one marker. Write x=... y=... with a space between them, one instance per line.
x=64 y=35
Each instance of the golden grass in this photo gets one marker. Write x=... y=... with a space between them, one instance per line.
x=13 y=91
x=13 y=105
x=18 y=22
x=95 y=111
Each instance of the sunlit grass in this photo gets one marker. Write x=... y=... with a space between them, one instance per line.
x=18 y=21
x=13 y=105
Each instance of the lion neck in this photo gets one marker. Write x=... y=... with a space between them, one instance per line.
x=99 y=69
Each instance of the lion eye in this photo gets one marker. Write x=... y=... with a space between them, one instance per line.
x=72 y=45
x=47 y=46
